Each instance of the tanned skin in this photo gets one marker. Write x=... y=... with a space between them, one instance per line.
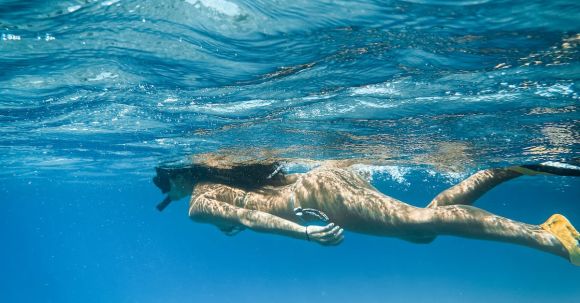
x=354 y=204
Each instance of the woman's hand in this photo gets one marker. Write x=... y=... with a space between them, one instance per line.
x=330 y=234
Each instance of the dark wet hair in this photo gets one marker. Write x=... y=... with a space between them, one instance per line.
x=242 y=175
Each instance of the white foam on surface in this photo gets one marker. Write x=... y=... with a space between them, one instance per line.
x=109 y=2
x=103 y=76
x=395 y=173
x=220 y=6
x=232 y=107
x=375 y=104
x=375 y=89
x=74 y=8
x=555 y=90
x=450 y=177
x=170 y=100
x=6 y=37
x=400 y=174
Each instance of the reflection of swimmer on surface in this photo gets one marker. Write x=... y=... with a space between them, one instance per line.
x=259 y=196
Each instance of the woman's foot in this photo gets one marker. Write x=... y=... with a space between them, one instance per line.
x=563 y=230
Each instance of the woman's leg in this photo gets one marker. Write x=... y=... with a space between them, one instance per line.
x=556 y=236
x=470 y=189
x=368 y=211
x=373 y=213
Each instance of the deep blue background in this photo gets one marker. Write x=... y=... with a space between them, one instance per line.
x=105 y=242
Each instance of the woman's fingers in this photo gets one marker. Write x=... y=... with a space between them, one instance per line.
x=339 y=233
x=317 y=230
x=330 y=234
x=335 y=241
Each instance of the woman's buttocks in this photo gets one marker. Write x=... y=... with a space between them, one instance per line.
x=327 y=189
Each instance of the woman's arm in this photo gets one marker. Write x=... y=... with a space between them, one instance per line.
x=207 y=210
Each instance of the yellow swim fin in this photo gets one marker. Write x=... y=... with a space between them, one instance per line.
x=563 y=230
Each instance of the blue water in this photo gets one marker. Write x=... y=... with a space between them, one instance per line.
x=95 y=94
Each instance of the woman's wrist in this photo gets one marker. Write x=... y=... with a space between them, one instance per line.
x=306 y=233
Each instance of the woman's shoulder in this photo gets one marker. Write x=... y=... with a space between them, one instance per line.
x=216 y=191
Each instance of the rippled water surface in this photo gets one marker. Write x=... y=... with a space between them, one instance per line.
x=95 y=94
x=107 y=85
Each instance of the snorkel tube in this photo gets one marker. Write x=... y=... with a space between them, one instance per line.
x=163 y=204
x=161 y=180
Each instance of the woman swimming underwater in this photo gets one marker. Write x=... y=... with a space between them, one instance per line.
x=259 y=196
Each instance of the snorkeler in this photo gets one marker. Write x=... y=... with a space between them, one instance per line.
x=261 y=197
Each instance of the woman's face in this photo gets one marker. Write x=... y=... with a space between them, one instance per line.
x=180 y=187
